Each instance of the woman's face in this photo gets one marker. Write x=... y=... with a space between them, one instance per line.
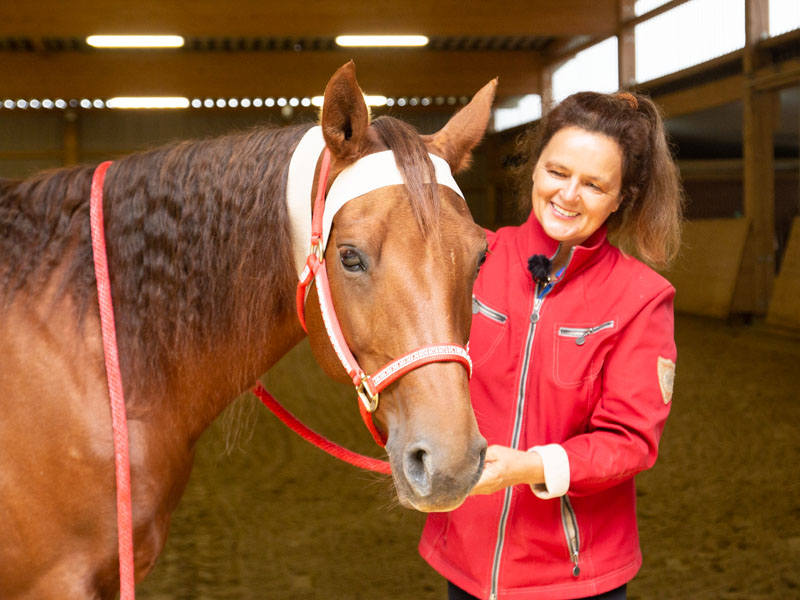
x=576 y=184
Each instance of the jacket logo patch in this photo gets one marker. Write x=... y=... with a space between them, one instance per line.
x=666 y=378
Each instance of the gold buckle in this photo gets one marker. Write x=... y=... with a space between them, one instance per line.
x=369 y=401
x=316 y=249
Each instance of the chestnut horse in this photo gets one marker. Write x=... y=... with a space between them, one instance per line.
x=203 y=278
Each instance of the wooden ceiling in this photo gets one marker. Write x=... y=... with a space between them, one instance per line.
x=251 y=48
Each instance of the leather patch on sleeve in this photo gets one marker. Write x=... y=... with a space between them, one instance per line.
x=666 y=378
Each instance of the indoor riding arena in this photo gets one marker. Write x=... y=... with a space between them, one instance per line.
x=266 y=515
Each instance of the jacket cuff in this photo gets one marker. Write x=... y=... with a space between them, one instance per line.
x=556 y=471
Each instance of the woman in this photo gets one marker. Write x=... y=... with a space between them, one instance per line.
x=574 y=356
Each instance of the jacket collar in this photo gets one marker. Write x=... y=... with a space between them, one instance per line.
x=532 y=239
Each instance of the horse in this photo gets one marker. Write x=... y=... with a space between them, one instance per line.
x=203 y=274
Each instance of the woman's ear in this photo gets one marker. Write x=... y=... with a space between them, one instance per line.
x=455 y=141
x=345 y=118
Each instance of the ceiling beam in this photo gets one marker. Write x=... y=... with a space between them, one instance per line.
x=702 y=97
x=311 y=17
x=252 y=74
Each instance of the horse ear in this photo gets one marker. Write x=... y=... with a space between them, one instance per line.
x=454 y=142
x=345 y=117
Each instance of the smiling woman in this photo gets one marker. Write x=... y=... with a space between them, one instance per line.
x=574 y=361
x=576 y=184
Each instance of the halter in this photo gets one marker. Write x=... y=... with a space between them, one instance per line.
x=357 y=179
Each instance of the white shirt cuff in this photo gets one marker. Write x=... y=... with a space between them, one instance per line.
x=556 y=471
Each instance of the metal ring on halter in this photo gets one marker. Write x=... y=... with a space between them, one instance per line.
x=316 y=249
x=367 y=398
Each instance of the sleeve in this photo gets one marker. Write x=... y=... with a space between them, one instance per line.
x=625 y=427
x=555 y=464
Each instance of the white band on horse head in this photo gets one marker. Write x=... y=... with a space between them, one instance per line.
x=367 y=174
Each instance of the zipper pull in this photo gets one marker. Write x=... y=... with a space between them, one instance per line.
x=581 y=340
x=576 y=570
x=537 y=306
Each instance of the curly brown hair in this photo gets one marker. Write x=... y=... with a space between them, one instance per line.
x=649 y=221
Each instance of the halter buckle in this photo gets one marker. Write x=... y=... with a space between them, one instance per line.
x=316 y=247
x=368 y=399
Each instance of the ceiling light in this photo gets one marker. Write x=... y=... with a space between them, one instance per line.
x=135 y=41
x=370 y=100
x=381 y=40
x=148 y=102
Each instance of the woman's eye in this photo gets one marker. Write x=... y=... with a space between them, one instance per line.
x=555 y=173
x=351 y=260
x=594 y=187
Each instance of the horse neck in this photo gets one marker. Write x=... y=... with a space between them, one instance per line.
x=200 y=234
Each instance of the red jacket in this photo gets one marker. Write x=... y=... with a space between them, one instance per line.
x=583 y=375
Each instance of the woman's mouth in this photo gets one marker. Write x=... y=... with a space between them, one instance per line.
x=562 y=212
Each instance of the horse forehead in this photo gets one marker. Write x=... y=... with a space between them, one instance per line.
x=387 y=213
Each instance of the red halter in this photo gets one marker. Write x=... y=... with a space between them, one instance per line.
x=368 y=387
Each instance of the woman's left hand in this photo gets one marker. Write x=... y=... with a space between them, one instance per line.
x=505 y=467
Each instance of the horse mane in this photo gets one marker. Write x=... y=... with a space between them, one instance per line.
x=197 y=235
x=416 y=167
x=186 y=225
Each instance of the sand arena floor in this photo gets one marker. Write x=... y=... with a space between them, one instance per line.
x=267 y=516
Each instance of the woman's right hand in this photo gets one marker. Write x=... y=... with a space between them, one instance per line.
x=505 y=467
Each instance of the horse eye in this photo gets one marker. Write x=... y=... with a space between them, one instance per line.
x=481 y=260
x=351 y=261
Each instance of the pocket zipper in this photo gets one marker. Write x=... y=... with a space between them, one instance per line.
x=580 y=333
x=570 y=523
x=486 y=311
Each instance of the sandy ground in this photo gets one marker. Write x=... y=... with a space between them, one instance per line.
x=268 y=516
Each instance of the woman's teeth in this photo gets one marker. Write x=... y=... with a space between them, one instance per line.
x=564 y=212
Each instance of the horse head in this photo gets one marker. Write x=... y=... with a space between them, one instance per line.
x=402 y=260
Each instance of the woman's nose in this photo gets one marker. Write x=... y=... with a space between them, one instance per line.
x=570 y=190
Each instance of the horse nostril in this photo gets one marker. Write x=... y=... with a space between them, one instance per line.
x=416 y=467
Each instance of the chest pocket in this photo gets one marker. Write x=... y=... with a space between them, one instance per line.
x=579 y=352
x=488 y=326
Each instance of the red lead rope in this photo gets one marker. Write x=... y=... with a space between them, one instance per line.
x=119 y=422
x=324 y=444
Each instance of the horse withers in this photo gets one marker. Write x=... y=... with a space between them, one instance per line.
x=203 y=277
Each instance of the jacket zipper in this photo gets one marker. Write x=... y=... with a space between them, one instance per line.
x=570 y=523
x=580 y=333
x=487 y=311
x=501 y=531
x=539 y=294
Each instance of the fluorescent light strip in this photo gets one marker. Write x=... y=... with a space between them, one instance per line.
x=370 y=100
x=145 y=102
x=162 y=102
x=381 y=40
x=135 y=41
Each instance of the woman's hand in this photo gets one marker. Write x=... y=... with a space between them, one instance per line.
x=505 y=467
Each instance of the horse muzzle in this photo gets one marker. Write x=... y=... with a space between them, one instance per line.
x=433 y=477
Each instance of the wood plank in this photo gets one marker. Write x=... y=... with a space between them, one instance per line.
x=782 y=75
x=707 y=268
x=784 y=308
x=760 y=110
x=702 y=97
x=248 y=74
x=311 y=17
x=627 y=45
